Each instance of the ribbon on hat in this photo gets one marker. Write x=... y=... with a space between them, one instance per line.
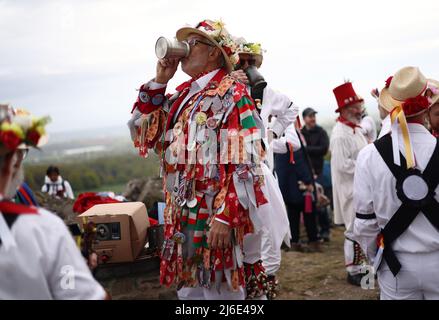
x=397 y=115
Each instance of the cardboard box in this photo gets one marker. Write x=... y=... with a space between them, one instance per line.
x=121 y=230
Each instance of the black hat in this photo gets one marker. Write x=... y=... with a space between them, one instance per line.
x=308 y=112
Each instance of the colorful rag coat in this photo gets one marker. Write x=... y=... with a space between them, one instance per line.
x=223 y=183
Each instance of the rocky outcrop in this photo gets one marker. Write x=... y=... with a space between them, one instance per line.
x=147 y=190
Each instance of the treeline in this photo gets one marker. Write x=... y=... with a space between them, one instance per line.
x=92 y=174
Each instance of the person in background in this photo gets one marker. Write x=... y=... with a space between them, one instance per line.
x=55 y=185
x=38 y=257
x=433 y=112
x=317 y=145
x=296 y=183
x=345 y=144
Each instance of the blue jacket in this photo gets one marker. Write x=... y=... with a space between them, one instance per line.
x=289 y=174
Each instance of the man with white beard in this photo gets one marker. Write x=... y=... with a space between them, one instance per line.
x=38 y=257
x=345 y=144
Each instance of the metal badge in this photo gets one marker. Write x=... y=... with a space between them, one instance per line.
x=179 y=237
x=192 y=203
x=143 y=96
x=158 y=99
x=178 y=129
x=228 y=101
x=179 y=201
x=212 y=123
x=200 y=118
x=167 y=249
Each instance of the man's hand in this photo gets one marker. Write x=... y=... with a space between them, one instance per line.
x=165 y=70
x=219 y=235
x=240 y=75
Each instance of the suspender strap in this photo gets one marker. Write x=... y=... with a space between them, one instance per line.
x=408 y=211
x=384 y=147
x=362 y=216
x=431 y=172
x=396 y=226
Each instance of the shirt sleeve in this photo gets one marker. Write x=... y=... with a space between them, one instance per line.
x=281 y=107
x=280 y=145
x=69 y=190
x=366 y=228
x=148 y=117
x=69 y=277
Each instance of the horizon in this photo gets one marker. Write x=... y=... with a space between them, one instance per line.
x=70 y=60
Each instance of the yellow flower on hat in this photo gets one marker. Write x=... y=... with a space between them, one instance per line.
x=15 y=128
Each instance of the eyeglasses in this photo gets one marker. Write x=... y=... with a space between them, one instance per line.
x=22 y=154
x=194 y=42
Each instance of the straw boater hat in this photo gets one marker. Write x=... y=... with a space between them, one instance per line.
x=407 y=83
x=250 y=50
x=217 y=34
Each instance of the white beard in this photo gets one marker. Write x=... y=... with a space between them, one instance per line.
x=16 y=182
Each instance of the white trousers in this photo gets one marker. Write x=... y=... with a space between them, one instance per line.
x=271 y=228
x=418 y=278
x=199 y=293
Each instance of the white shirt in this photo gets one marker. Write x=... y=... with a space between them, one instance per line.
x=386 y=126
x=278 y=113
x=374 y=192
x=52 y=188
x=280 y=145
x=345 y=144
x=279 y=105
x=44 y=258
x=368 y=128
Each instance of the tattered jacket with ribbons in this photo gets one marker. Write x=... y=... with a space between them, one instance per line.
x=196 y=122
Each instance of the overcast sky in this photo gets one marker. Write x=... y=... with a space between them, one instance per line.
x=80 y=61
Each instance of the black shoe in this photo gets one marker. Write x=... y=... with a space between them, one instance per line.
x=355 y=279
x=325 y=236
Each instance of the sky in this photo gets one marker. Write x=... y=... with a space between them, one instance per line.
x=80 y=61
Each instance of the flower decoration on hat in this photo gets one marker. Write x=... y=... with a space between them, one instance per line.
x=404 y=96
x=254 y=48
x=217 y=31
x=388 y=81
x=19 y=127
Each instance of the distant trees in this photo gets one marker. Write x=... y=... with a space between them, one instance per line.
x=96 y=173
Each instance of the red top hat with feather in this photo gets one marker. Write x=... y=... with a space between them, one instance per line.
x=346 y=96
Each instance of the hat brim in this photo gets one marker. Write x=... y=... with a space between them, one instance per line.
x=434 y=98
x=388 y=103
x=310 y=113
x=258 y=57
x=183 y=33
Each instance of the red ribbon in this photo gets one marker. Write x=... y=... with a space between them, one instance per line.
x=348 y=123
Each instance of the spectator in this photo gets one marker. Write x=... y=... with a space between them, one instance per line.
x=295 y=180
x=317 y=140
x=317 y=145
x=55 y=185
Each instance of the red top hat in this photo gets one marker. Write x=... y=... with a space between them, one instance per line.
x=346 y=96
